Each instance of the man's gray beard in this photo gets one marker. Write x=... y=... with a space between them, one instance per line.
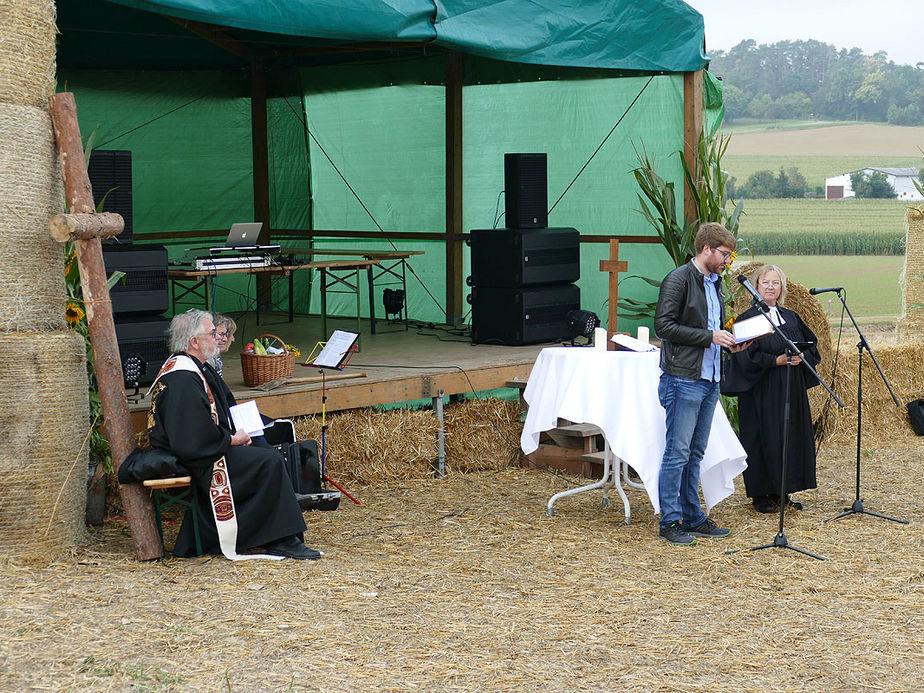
x=209 y=355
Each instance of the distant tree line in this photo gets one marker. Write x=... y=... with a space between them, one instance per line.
x=811 y=79
x=791 y=183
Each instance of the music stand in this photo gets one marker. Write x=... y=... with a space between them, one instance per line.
x=780 y=540
x=857 y=507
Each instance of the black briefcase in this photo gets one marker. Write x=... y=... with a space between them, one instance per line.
x=916 y=414
x=304 y=468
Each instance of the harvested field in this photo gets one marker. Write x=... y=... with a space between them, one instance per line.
x=464 y=584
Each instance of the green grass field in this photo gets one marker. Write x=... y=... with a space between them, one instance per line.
x=845 y=216
x=871 y=282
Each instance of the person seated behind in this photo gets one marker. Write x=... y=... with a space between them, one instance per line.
x=225 y=327
x=244 y=498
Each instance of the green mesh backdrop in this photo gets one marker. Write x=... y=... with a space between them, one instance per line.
x=382 y=128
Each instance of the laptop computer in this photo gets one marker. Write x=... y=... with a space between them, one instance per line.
x=243 y=236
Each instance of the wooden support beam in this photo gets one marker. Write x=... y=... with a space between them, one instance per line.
x=454 y=279
x=73 y=227
x=260 y=150
x=692 y=130
x=137 y=502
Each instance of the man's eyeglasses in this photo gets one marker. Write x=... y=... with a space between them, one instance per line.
x=213 y=332
x=726 y=254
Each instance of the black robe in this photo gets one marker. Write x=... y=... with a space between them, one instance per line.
x=760 y=385
x=264 y=501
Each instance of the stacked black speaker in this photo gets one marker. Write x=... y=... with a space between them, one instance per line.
x=523 y=275
x=141 y=297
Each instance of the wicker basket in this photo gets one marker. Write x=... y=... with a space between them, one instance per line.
x=261 y=368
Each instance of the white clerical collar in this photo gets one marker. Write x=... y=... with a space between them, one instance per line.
x=776 y=317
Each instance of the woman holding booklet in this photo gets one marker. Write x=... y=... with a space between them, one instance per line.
x=757 y=376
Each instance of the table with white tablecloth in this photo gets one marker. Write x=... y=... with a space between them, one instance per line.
x=617 y=391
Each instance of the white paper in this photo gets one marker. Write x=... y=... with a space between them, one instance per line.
x=631 y=343
x=246 y=417
x=335 y=349
x=751 y=328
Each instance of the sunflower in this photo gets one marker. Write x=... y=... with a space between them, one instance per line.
x=730 y=322
x=73 y=314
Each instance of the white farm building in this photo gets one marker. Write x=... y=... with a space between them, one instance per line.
x=901 y=179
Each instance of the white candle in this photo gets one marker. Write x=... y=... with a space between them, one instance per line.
x=643 y=334
x=600 y=338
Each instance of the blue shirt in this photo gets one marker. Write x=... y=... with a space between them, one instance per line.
x=712 y=358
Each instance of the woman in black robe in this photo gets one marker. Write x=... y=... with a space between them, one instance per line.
x=757 y=376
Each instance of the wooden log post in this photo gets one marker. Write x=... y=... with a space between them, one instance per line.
x=139 y=509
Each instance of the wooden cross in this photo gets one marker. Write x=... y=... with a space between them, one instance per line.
x=614 y=266
x=85 y=228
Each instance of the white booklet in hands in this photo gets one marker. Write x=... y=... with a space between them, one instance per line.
x=751 y=328
x=246 y=417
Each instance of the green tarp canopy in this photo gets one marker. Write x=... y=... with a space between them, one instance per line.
x=655 y=35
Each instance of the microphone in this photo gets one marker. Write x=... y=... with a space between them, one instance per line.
x=838 y=289
x=751 y=290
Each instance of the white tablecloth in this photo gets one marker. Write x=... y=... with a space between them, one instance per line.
x=618 y=392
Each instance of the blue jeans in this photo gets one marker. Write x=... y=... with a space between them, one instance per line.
x=689 y=406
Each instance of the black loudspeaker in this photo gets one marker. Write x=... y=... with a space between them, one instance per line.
x=145 y=336
x=524 y=257
x=526 y=191
x=110 y=172
x=516 y=316
x=144 y=289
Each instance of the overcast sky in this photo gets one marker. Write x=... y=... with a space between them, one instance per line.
x=895 y=26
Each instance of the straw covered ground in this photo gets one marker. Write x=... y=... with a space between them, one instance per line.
x=463 y=583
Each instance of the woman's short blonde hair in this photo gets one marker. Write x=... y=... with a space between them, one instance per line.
x=762 y=270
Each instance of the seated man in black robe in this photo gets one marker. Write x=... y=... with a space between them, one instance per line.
x=244 y=496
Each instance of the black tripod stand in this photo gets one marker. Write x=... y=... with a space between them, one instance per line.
x=857 y=507
x=780 y=540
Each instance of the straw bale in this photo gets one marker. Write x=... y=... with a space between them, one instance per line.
x=911 y=323
x=811 y=312
x=31 y=263
x=903 y=367
x=368 y=446
x=27 y=52
x=44 y=425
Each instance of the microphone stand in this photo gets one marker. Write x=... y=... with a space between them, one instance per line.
x=857 y=507
x=780 y=540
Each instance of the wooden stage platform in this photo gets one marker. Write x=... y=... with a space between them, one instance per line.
x=400 y=365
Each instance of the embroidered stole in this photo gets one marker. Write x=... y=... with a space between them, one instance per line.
x=220 y=495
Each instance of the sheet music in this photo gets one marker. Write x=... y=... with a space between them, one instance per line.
x=335 y=350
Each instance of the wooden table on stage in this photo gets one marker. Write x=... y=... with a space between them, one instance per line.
x=198 y=283
x=391 y=263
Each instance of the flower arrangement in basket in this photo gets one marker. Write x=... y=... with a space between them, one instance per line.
x=266 y=358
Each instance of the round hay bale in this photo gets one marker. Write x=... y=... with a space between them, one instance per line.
x=27 y=52
x=31 y=263
x=811 y=312
x=43 y=459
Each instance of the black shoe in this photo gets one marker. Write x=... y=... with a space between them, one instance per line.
x=790 y=503
x=675 y=535
x=709 y=529
x=764 y=504
x=291 y=547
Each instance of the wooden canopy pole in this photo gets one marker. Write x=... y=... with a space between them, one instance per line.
x=138 y=507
